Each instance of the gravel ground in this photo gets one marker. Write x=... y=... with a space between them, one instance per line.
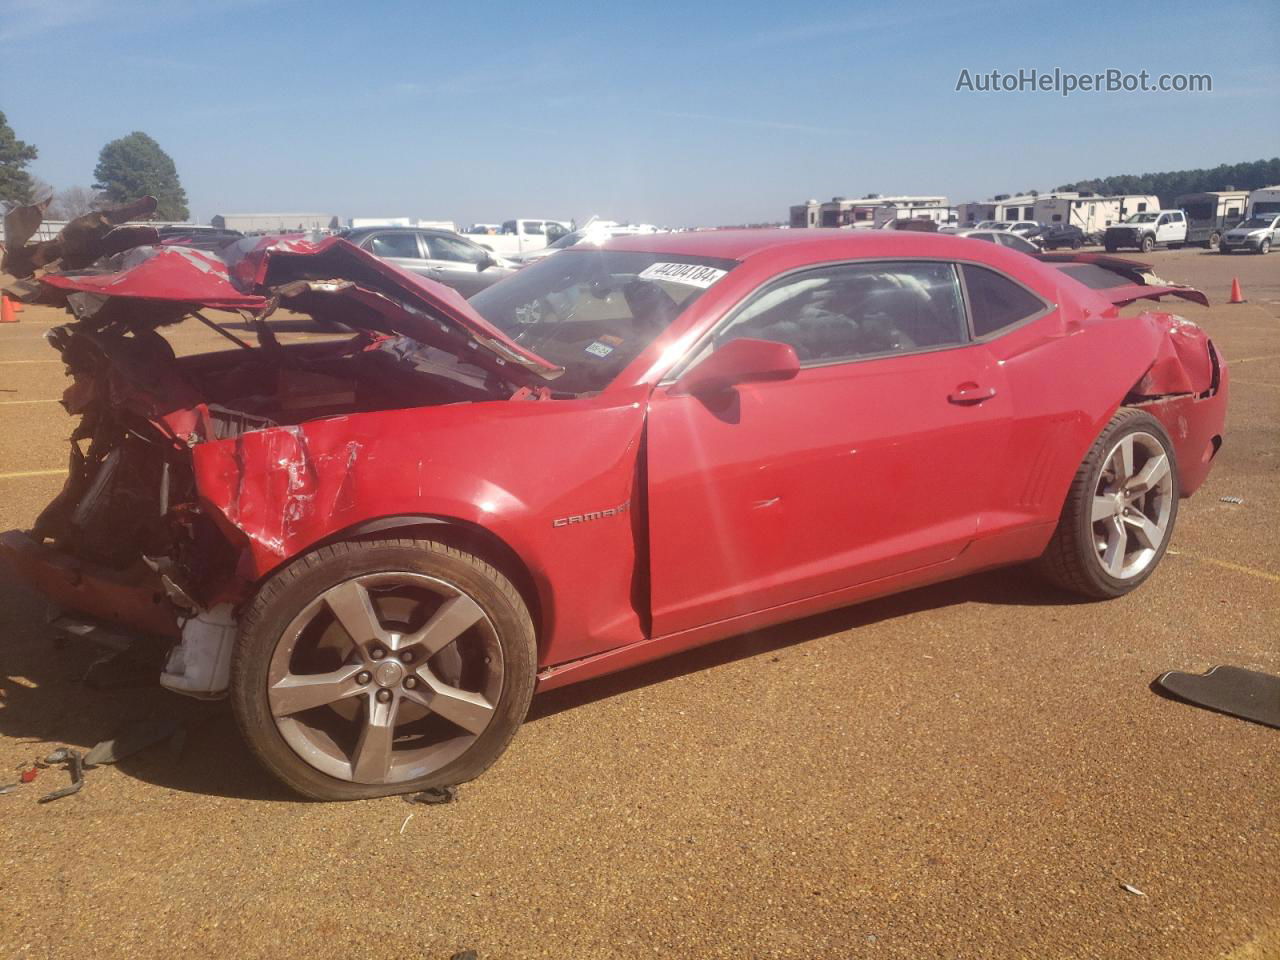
x=968 y=770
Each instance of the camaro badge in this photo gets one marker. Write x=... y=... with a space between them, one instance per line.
x=594 y=515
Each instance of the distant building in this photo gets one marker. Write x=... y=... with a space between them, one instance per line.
x=870 y=212
x=275 y=222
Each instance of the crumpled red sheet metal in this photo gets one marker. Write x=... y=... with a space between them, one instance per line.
x=169 y=273
x=1183 y=362
x=253 y=273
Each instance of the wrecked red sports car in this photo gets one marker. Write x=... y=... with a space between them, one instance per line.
x=381 y=545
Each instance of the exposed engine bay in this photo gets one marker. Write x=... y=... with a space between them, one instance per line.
x=130 y=534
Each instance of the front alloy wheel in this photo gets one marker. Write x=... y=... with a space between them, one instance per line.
x=379 y=667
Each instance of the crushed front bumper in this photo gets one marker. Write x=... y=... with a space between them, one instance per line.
x=133 y=599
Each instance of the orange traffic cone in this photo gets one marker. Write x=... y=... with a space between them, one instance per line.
x=1236 y=295
x=7 y=313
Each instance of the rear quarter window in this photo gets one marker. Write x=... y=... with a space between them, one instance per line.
x=996 y=302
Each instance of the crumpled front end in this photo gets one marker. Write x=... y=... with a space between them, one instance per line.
x=132 y=540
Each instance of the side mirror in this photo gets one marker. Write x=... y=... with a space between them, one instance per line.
x=485 y=262
x=739 y=361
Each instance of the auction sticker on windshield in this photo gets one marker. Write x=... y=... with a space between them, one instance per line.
x=690 y=274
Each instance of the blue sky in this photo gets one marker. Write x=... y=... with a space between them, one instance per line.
x=680 y=114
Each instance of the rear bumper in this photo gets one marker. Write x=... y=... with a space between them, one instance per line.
x=132 y=599
x=1196 y=425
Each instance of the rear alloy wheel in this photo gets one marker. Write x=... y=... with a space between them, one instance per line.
x=1214 y=239
x=381 y=667
x=1120 y=510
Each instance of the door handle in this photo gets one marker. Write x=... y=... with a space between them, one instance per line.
x=970 y=394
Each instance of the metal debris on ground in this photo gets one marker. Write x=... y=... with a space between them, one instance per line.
x=1232 y=499
x=406 y=823
x=134 y=739
x=75 y=766
x=9 y=788
x=465 y=955
x=1130 y=888
x=434 y=795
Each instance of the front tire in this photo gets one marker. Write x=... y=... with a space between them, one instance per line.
x=1264 y=247
x=1120 y=510
x=1148 y=243
x=370 y=668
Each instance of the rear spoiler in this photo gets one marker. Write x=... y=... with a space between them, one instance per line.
x=1134 y=280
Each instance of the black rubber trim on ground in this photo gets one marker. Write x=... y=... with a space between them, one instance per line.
x=1247 y=694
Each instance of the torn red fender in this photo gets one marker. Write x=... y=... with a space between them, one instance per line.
x=1184 y=362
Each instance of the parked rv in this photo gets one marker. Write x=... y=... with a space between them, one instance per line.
x=1093 y=215
x=1148 y=230
x=1264 y=202
x=1211 y=214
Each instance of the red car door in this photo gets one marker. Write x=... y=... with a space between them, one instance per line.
x=876 y=459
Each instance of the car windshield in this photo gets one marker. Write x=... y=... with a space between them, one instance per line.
x=1256 y=223
x=593 y=311
x=1143 y=218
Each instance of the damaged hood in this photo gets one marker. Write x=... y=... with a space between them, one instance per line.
x=330 y=279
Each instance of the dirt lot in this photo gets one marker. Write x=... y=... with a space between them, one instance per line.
x=969 y=770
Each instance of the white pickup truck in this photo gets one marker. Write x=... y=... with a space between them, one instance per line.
x=1147 y=230
x=520 y=235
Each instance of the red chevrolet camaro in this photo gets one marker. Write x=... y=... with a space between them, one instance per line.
x=382 y=544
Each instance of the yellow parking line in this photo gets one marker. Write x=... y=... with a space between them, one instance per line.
x=1253 y=383
x=1232 y=360
x=30 y=361
x=14 y=403
x=33 y=473
x=1227 y=565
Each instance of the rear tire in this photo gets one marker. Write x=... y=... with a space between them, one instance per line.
x=1119 y=513
x=1215 y=238
x=429 y=693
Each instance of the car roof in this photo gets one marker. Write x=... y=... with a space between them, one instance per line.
x=822 y=243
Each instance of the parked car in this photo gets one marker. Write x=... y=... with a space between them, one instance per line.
x=524 y=235
x=1258 y=234
x=595 y=232
x=448 y=258
x=380 y=547
x=1001 y=238
x=1148 y=230
x=1054 y=236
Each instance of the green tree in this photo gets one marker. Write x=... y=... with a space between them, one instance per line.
x=135 y=166
x=15 y=183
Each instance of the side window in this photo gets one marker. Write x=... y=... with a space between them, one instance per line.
x=394 y=245
x=533 y=228
x=995 y=301
x=857 y=310
x=1142 y=208
x=450 y=248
